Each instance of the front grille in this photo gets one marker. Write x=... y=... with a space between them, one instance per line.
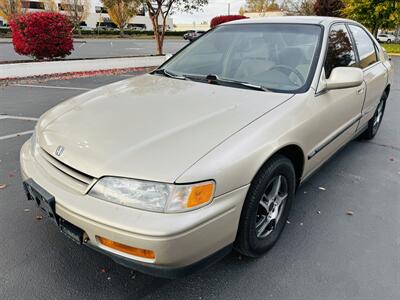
x=65 y=174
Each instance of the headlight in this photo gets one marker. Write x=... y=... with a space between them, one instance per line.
x=153 y=196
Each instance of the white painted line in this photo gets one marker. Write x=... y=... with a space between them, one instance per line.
x=53 y=87
x=127 y=75
x=83 y=44
x=18 y=118
x=15 y=135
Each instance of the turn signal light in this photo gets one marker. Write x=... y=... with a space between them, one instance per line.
x=200 y=194
x=126 y=249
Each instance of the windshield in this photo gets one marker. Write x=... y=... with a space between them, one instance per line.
x=277 y=57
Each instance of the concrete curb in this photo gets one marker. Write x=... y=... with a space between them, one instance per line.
x=35 y=69
x=394 y=54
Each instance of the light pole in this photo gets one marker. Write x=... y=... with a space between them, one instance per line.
x=229 y=9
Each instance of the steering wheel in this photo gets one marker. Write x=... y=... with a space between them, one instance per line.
x=286 y=68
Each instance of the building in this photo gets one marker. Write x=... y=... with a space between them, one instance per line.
x=98 y=14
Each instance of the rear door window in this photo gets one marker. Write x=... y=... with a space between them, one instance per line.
x=365 y=46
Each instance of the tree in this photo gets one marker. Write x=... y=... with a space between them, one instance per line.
x=330 y=8
x=223 y=19
x=374 y=14
x=10 y=8
x=242 y=11
x=261 y=6
x=159 y=10
x=121 y=11
x=42 y=35
x=299 y=7
x=77 y=11
x=50 y=5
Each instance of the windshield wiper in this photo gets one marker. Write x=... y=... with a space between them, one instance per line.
x=168 y=74
x=214 y=79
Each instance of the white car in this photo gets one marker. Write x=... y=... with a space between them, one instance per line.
x=386 y=38
x=168 y=171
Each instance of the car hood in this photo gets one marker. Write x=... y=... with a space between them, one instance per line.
x=149 y=127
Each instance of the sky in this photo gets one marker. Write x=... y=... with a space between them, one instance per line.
x=214 y=8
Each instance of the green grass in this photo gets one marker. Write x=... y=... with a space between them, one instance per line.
x=391 y=48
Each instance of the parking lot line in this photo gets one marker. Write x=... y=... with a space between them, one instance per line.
x=2 y=117
x=52 y=87
x=4 y=137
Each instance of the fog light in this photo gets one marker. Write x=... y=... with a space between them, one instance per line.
x=126 y=249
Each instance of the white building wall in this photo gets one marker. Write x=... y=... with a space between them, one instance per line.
x=93 y=18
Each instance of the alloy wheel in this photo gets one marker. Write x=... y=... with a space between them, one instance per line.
x=271 y=206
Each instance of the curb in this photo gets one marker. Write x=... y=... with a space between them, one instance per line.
x=15 y=71
x=394 y=54
x=72 y=75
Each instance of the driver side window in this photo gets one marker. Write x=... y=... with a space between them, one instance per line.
x=340 y=49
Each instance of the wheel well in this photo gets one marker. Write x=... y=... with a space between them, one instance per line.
x=296 y=155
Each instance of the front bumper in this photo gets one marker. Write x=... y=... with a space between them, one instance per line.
x=182 y=242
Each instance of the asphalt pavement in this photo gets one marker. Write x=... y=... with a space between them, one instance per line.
x=100 y=48
x=324 y=252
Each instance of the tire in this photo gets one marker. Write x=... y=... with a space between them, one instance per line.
x=376 y=120
x=388 y=41
x=260 y=206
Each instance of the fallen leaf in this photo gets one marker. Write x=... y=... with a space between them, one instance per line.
x=27 y=209
x=305 y=192
x=301 y=224
x=108 y=278
x=391 y=159
x=103 y=270
x=318 y=212
x=11 y=175
x=349 y=212
x=39 y=217
x=322 y=188
x=3 y=186
x=287 y=222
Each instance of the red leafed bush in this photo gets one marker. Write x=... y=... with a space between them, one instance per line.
x=223 y=19
x=42 y=35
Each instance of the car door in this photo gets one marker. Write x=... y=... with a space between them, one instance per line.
x=336 y=112
x=375 y=73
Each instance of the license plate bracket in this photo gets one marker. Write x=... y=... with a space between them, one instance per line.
x=44 y=200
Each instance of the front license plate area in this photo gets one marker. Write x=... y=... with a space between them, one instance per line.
x=44 y=200
x=71 y=231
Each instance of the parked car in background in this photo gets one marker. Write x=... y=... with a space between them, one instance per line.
x=87 y=28
x=386 y=38
x=192 y=35
x=4 y=26
x=206 y=153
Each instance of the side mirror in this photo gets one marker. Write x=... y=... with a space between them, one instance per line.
x=344 y=77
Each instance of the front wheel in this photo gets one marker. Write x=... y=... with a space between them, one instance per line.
x=266 y=207
x=375 y=122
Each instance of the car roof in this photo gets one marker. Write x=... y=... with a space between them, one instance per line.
x=290 y=19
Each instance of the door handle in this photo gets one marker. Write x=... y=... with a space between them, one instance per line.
x=360 y=91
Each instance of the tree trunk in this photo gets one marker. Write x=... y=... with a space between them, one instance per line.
x=157 y=37
x=79 y=30
x=121 y=32
x=375 y=30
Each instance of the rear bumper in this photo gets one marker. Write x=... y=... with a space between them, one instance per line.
x=182 y=242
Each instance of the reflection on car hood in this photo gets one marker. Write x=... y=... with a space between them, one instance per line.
x=148 y=127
